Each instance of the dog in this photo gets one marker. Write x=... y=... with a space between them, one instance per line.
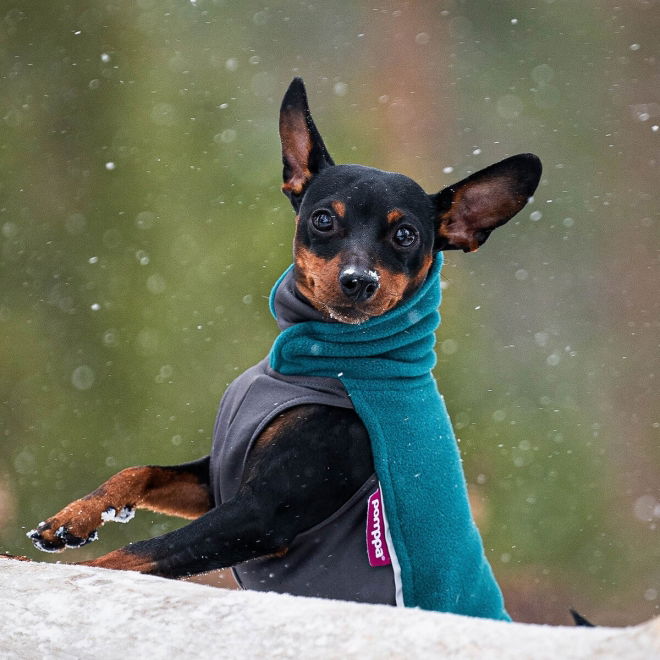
x=283 y=497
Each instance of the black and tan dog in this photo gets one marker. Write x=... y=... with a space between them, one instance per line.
x=364 y=243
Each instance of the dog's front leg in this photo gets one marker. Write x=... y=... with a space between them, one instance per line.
x=180 y=490
x=229 y=534
x=309 y=462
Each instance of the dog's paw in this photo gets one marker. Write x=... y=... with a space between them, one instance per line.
x=47 y=539
x=76 y=525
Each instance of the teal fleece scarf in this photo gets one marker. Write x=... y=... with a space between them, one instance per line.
x=385 y=365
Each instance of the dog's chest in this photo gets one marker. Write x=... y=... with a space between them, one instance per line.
x=249 y=404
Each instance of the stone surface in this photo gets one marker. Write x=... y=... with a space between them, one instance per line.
x=64 y=611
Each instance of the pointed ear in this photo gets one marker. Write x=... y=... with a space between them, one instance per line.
x=303 y=151
x=469 y=210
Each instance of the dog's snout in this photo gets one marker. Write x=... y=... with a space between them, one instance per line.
x=359 y=284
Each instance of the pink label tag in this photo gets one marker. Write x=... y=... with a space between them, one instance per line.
x=377 y=550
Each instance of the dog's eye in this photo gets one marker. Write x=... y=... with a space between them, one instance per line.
x=405 y=236
x=323 y=221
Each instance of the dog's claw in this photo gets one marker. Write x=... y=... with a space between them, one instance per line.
x=72 y=541
x=42 y=544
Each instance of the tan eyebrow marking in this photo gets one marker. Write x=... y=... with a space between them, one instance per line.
x=339 y=208
x=394 y=215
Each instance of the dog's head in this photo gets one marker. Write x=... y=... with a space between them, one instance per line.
x=365 y=238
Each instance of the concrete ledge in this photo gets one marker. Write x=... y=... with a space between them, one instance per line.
x=61 y=611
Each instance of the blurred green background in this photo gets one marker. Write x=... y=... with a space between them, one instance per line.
x=142 y=226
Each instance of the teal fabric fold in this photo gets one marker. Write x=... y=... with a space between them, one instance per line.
x=385 y=365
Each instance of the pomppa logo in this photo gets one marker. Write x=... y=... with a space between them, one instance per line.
x=377 y=549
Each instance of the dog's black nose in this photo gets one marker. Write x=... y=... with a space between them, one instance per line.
x=358 y=284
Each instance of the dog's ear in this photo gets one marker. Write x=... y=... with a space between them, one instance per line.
x=303 y=151
x=468 y=211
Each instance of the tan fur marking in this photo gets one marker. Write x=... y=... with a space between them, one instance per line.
x=5 y=555
x=318 y=279
x=175 y=494
x=274 y=428
x=339 y=208
x=394 y=215
x=154 y=488
x=297 y=182
x=120 y=560
x=393 y=286
x=421 y=276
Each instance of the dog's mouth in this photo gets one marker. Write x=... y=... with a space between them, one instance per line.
x=354 y=313
x=347 y=314
x=337 y=307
